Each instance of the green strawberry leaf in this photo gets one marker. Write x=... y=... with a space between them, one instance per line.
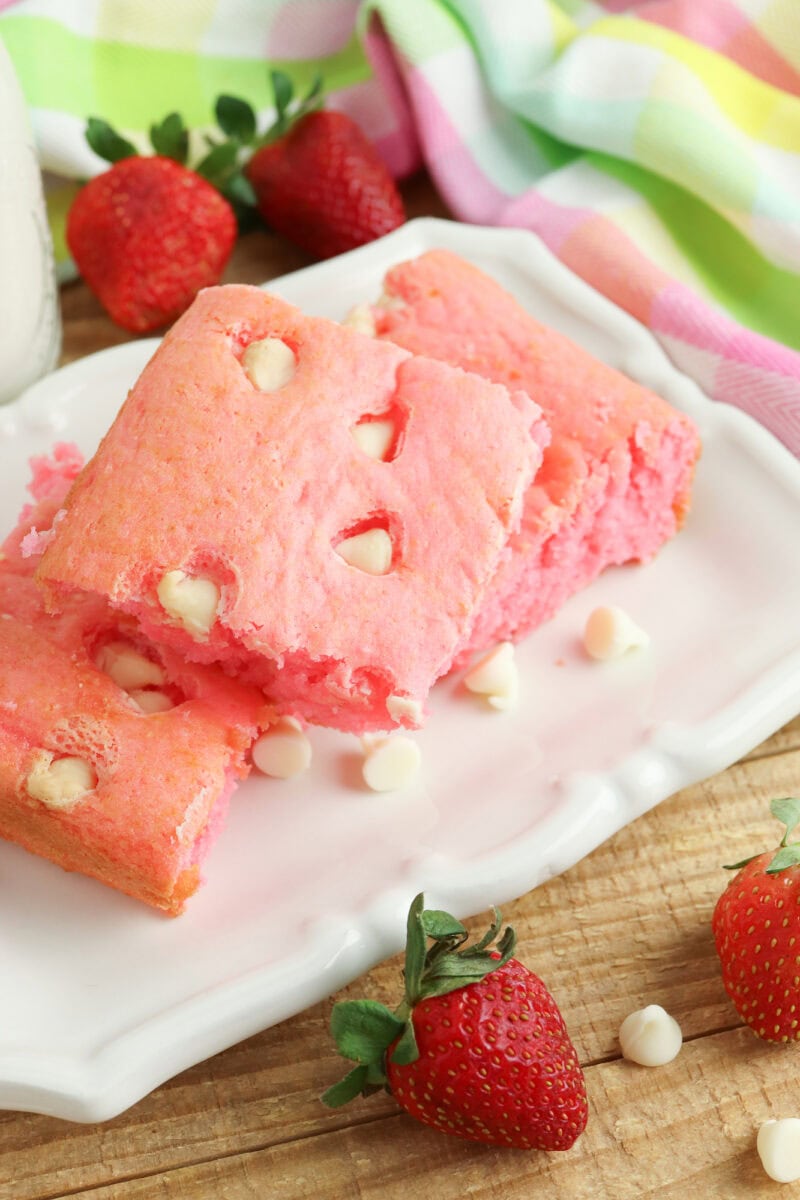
x=376 y=1076
x=346 y=1089
x=467 y=969
x=507 y=944
x=218 y=161
x=106 y=142
x=438 y=924
x=489 y=936
x=171 y=138
x=282 y=91
x=236 y=118
x=787 y=856
x=363 y=1029
x=737 y=866
x=239 y=190
x=312 y=100
x=314 y=93
x=415 y=949
x=787 y=811
x=406 y=1051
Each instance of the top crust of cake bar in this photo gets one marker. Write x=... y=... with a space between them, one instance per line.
x=208 y=475
x=439 y=304
x=615 y=479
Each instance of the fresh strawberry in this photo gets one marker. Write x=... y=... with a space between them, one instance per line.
x=320 y=182
x=756 y=927
x=477 y=1048
x=148 y=234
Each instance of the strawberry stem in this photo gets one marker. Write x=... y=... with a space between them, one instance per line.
x=282 y=92
x=785 y=809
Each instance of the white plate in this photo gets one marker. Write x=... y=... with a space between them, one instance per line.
x=103 y=999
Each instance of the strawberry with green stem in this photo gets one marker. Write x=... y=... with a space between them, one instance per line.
x=148 y=234
x=477 y=1048
x=226 y=160
x=318 y=180
x=756 y=927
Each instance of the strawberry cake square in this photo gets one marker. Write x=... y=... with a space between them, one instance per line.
x=117 y=758
x=615 y=480
x=320 y=512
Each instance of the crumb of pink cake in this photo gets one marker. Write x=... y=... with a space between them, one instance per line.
x=257 y=525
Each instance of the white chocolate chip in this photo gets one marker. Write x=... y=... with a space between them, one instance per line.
x=390 y=763
x=361 y=319
x=191 y=600
x=150 y=701
x=610 y=633
x=283 y=751
x=403 y=706
x=373 y=437
x=778 y=1145
x=495 y=676
x=61 y=782
x=370 y=551
x=128 y=668
x=269 y=364
x=650 y=1036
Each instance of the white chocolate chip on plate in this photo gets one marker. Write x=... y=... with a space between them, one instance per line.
x=128 y=668
x=495 y=676
x=390 y=763
x=59 y=782
x=778 y=1145
x=373 y=438
x=151 y=700
x=283 y=750
x=650 y=1036
x=361 y=319
x=190 y=600
x=370 y=551
x=269 y=364
x=610 y=633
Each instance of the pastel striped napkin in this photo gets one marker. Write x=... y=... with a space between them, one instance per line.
x=653 y=146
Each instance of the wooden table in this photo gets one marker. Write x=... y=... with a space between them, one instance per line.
x=627 y=926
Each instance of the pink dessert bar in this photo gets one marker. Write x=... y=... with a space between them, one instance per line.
x=615 y=480
x=320 y=512
x=116 y=758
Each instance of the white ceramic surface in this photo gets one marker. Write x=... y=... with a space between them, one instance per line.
x=102 y=999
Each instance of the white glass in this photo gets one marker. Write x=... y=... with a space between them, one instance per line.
x=30 y=327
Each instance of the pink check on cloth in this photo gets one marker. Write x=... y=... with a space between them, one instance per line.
x=653 y=146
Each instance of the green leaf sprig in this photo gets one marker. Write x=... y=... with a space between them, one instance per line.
x=365 y=1030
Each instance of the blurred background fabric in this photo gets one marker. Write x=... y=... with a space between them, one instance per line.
x=653 y=146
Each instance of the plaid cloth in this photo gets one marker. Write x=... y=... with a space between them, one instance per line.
x=653 y=146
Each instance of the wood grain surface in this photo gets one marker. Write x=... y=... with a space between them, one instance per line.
x=627 y=926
